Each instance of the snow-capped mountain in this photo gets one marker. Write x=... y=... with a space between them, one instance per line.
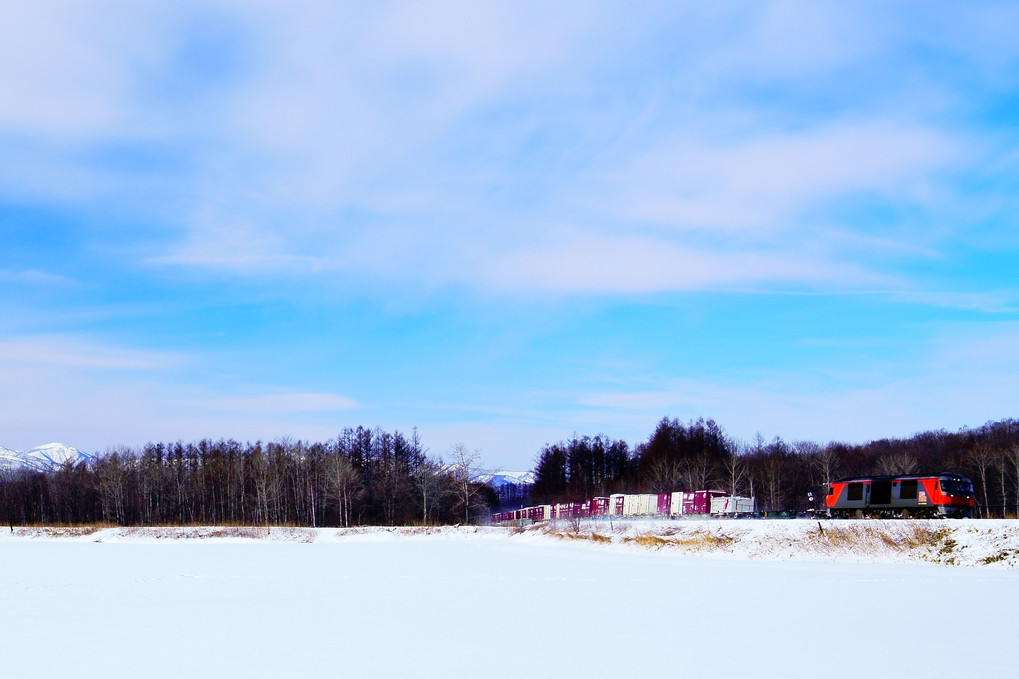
x=48 y=457
x=500 y=478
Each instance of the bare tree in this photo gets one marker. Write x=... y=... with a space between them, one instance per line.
x=896 y=463
x=431 y=483
x=344 y=483
x=1001 y=464
x=827 y=463
x=698 y=471
x=664 y=475
x=1013 y=462
x=464 y=466
x=772 y=474
x=109 y=473
x=981 y=456
x=735 y=469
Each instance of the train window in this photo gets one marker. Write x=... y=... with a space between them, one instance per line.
x=855 y=491
x=831 y=490
x=907 y=490
x=956 y=486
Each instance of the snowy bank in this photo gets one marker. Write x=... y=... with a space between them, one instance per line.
x=953 y=543
x=993 y=543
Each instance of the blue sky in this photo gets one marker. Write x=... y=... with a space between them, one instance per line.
x=503 y=223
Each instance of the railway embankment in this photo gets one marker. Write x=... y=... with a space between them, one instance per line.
x=977 y=543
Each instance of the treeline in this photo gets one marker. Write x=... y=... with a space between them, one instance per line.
x=782 y=475
x=365 y=476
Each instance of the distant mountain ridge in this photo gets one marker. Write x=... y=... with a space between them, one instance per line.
x=47 y=457
x=500 y=478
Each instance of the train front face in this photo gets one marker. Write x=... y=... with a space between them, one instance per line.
x=953 y=495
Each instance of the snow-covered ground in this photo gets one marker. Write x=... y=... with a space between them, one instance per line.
x=472 y=603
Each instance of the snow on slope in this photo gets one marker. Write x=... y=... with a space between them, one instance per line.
x=48 y=457
x=500 y=478
x=987 y=543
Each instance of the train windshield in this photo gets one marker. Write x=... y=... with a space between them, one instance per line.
x=956 y=487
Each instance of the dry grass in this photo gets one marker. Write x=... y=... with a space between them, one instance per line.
x=648 y=541
x=926 y=540
x=284 y=533
x=582 y=536
x=1003 y=555
x=57 y=531
x=695 y=541
x=702 y=541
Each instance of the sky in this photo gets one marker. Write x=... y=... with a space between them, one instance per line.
x=506 y=223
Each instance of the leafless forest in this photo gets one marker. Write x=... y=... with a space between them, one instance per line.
x=371 y=476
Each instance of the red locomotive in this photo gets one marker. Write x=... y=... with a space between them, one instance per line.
x=944 y=494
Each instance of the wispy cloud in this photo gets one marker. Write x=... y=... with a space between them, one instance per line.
x=769 y=179
x=585 y=262
x=360 y=141
x=92 y=395
x=76 y=353
x=35 y=277
x=181 y=163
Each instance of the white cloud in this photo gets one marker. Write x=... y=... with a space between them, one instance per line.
x=584 y=262
x=237 y=246
x=767 y=180
x=35 y=277
x=75 y=353
x=60 y=81
x=356 y=141
x=93 y=395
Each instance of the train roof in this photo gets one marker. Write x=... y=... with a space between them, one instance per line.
x=902 y=477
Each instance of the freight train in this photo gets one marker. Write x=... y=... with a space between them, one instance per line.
x=692 y=503
x=918 y=495
x=945 y=494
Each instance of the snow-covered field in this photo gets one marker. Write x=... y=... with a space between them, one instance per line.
x=465 y=603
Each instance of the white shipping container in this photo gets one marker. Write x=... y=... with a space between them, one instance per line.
x=652 y=504
x=631 y=505
x=732 y=505
x=676 y=505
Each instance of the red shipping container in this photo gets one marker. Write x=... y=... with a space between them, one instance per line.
x=702 y=500
x=664 y=503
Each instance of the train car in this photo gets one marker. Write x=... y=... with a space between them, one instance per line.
x=664 y=504
x=648 y=504
x=733 y=505
x=945 y=494
x=699 y=501
x=599 y=506
x=617 y=503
